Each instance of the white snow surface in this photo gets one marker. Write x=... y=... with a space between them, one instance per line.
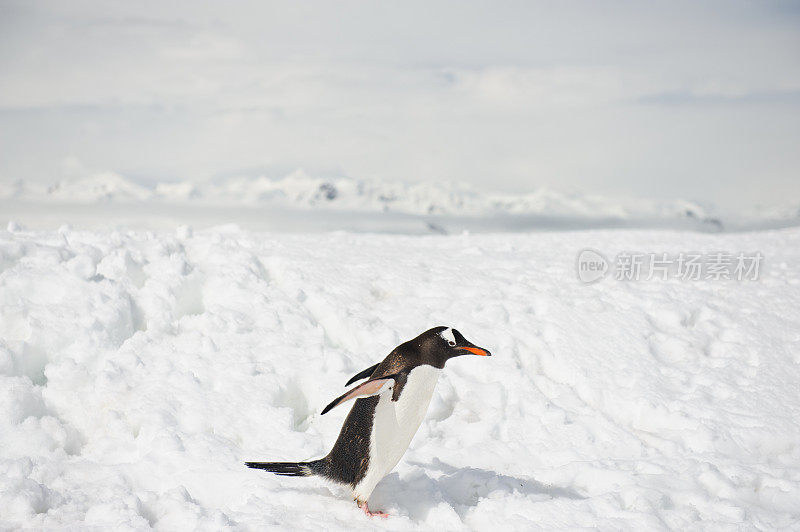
x=140 y=369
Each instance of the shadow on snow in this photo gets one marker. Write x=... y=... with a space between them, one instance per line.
x=462 y=489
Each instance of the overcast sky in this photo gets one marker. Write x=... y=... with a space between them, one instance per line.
x=660 y=99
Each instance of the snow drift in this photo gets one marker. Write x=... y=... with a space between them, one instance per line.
x=138 y=370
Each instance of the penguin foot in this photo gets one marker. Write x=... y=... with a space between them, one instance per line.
x=364 y=506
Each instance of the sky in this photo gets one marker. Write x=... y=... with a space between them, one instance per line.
x=694 y=100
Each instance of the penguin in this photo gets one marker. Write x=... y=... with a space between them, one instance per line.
x=389 y=408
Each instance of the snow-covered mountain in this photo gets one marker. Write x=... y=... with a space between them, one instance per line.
x=436 y=201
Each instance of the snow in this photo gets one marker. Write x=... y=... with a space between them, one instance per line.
x=298 y=189
x=139 y=369
x=284 y=202
x=266 y=203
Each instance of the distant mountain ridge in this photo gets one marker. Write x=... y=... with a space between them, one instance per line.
x=298 y=190
x=301 y=190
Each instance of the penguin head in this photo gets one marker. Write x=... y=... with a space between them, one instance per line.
x=443 y=343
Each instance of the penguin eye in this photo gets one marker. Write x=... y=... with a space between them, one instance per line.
x=451 y=343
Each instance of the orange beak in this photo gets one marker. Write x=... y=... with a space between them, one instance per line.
x=477 y=351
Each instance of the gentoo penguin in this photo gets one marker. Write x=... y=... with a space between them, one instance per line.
x=389 y=408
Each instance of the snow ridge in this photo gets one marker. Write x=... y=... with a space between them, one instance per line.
x=300 y=190
x=280 y=203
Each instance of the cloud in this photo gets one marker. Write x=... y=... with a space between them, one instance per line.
x=513 y=96
x=779 y=97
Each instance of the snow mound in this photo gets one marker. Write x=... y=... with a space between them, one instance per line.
x=138 y=370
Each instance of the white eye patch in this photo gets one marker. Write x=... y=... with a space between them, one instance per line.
x=447 y=335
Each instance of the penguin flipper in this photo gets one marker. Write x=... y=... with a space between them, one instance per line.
x=367 y=389
x=362 y=375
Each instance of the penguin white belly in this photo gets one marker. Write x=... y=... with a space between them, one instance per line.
x=395 y=424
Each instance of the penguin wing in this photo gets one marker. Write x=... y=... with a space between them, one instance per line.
x=362 y=375
x=367 y=389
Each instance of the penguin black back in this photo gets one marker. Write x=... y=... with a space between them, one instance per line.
x=349 y=458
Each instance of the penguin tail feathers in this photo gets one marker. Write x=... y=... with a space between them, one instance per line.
x=289 y=469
